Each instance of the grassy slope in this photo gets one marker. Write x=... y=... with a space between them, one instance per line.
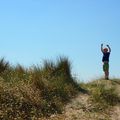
x=37 y=91
x=104 y=98
x=101 y=102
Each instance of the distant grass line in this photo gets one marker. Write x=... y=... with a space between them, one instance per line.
x=30 y=93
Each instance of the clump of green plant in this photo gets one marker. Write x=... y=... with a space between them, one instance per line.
x=3 y=65
x=103 y=97
x=27 y=93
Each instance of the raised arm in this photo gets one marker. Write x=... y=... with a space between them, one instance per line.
x=102 y=48
x=109 y=48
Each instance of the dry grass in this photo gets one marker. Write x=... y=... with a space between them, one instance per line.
x=101 y=103
x=104 y=94
x=39 y=92
x=35 y=92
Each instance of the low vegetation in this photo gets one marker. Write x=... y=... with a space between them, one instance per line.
x=42 y=91
x=104 y=94
x=35 y=92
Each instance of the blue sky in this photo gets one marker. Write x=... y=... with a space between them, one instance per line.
x=34 y=30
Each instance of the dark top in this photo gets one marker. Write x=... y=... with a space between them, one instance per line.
x=106 y=57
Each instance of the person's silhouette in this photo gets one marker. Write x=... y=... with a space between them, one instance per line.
x=106 y=53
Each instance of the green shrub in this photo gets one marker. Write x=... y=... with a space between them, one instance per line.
x=36 y=91
x=103 y=97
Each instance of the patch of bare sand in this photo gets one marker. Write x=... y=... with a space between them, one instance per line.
x=79 y=109
x=115 y=113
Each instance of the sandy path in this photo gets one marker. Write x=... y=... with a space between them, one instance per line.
x=80 y=109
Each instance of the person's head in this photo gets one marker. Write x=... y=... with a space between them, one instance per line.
x=105 y=50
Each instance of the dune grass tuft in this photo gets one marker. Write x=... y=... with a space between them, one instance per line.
x=27 y=93
x=103 y=94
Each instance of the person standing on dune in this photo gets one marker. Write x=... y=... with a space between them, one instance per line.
x=106 y=53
